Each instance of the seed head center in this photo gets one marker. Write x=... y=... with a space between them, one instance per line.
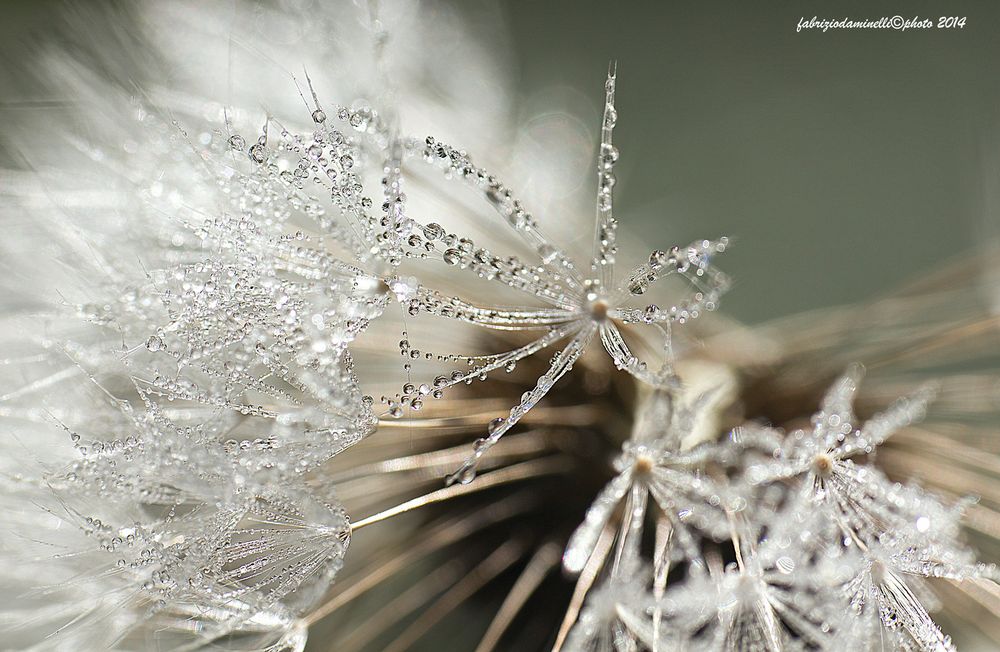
x=644 y=464
x=822 y=464
x=597 y=309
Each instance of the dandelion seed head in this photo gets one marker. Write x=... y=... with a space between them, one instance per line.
x=229 y=418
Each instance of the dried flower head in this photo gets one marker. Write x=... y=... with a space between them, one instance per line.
x=240 y=441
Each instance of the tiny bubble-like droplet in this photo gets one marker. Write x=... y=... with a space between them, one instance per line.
x=256 y=153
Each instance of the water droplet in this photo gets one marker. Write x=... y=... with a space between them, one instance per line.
x=637 y=286
x=547 y=252
x=359 y=120
x=464 y=475
x=609 y=156
x=785 y=564
x=698 y=256
x=434 y=231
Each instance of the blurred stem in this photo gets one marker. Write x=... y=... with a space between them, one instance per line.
x=532 y=469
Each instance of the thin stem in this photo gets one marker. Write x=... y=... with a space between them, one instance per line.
x=577 y=415
x=520 y=445
x=661 y=569
x=736 y=541
x=587 y=577
x=543 y=561
x=500 y=560
x=532 y=469
x=434 y=539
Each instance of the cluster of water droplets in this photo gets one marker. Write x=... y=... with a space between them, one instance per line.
x=577 y=307
x=218 y=380
x=784 y=541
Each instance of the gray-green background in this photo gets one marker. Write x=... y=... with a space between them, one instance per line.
x=842 y=163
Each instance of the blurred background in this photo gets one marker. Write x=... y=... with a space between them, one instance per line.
x=841 y=163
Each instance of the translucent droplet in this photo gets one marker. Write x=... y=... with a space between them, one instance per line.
x=786 y=565
x=464 y=475
x=547 y=252
x=434 y=231
x=359 y=120
x=318 y=116
x=257 y=153
x=154 y=343
x=609 y=156
x=698 y=257
x=495 y=425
